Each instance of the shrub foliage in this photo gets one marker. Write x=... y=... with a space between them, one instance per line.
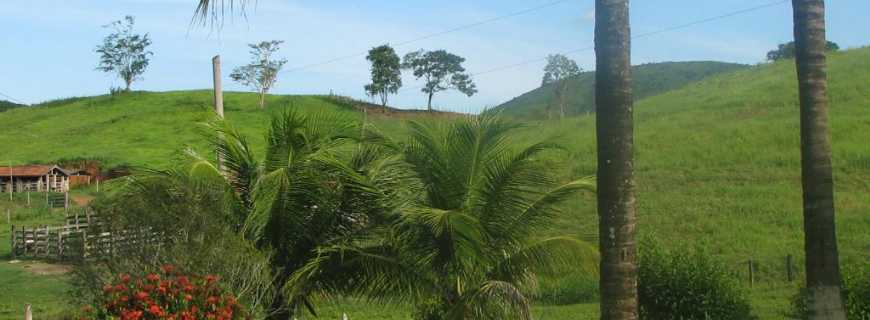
x=688 y=283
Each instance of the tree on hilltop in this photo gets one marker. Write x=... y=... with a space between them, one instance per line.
x=441 y=70
x=124 y=52
x=557 y=72
x=386 y=73
x=262 y=73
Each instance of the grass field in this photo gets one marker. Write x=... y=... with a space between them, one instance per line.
x=717 y=166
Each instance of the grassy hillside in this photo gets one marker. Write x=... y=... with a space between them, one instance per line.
x=718 y=161
x=649 y=79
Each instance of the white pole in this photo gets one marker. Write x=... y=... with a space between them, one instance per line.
x=218 y=90
x=28 y=313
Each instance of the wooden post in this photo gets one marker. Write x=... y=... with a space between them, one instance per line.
x=218 y=90
x=751 y=273
x=98 y=184
x=65 y=201
x=28 y=313
x=28 y=198
x=789 y=268
x=12 y=242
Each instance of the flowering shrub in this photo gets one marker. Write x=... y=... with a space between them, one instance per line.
x=164 y=295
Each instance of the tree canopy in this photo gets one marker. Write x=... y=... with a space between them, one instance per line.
x=559 y=68
x=386 y=73
x=124 y=52
x=262 y=72
x=787 y=51
x=441 y=71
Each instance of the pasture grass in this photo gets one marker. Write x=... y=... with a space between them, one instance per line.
x=717 y=162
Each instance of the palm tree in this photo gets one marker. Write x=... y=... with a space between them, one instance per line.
x=822 y=260
x=469 y=247
x=614 y=127
x=315 y=185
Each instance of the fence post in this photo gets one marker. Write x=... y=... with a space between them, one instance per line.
x=65 y=201
x=789 y=268
x=12 y=242
x=28 y=198
x=751 y=273
x=28 y=313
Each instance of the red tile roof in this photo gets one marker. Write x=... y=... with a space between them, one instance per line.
x=36 y=170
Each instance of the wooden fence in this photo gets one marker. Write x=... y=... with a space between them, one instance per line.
x=83 y=237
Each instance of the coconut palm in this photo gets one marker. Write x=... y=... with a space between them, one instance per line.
x=316 y=184
x=614 y=132
x=822 y=260
x=470 y=247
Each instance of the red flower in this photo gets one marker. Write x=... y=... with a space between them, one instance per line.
x=168 y=268
x=155 y=310
x=120 y=287
x=125 y=278
x=209 y=279
x=108 y=288
x=188 y=297
x=141 y=295
x=152 y=277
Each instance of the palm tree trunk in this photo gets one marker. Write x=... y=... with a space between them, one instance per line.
x=820 y=238
x=614 y=128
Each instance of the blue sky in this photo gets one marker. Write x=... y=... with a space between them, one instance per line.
x=46 y=47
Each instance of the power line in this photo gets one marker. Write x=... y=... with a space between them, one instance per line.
x=433 y=35
x=642 y=35
x=12 y=99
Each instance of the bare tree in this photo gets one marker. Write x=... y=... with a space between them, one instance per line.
x=822 y=259
x=615 y=129
x=262 y=73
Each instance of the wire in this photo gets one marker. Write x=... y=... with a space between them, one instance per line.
x=642 y=35
x=12 y=99
x=431 y=35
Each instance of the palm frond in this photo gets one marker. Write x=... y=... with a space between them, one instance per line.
x=548 y=256
x=493 y=300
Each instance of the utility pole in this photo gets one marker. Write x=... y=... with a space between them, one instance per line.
x=218 y=100
x=218 y=90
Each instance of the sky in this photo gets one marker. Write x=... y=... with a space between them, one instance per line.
x=47 y=46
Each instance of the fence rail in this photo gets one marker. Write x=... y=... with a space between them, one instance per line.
x=84 y=236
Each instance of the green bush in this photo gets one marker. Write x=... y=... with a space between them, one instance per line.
x=687 y=284
x=856 y=293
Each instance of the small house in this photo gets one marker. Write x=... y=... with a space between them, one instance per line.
x=37 y=178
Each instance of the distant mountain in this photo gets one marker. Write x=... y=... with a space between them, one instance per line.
x=6 y=105
x=648 y=80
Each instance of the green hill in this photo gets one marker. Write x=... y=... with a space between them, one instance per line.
x=648 y=80
x=718 y=162
x=6 y=105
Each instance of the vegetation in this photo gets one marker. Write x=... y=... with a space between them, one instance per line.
x=470 y=246
x=688 y=283
x=441 y=71
x=856 y=295
x=386 y=73
x=647 y=80
x=559 y=68
x=167 y=294
x=261 y=74
x=124 y=53
x=787 y=51
x=720 y=156
x=6 y=105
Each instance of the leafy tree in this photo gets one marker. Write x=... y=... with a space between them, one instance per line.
x=441 y=70
x=557 y=72
x=614 y=127
x=124 y=52
x=386 y=73
x=787 y=51
x=470 y=245
x=262 y=73
x=820 y=237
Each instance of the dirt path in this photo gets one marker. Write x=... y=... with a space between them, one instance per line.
x=42 y=269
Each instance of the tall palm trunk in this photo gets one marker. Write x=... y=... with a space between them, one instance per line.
x=614 y=127
x=820 y=239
